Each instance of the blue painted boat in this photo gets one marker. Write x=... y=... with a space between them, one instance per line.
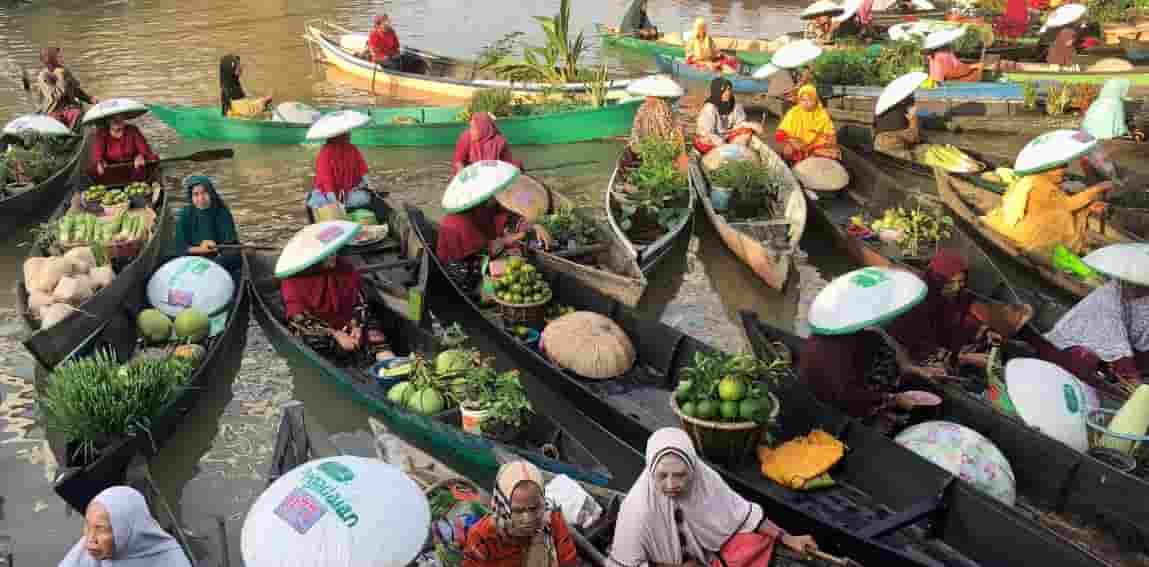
x=678 y=67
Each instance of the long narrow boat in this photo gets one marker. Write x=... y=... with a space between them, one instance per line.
x=748 y=50
x=1138 y=76
x=19 y=209
x=1050 y=475
x=413 y=126
x=79 y=481
x=440 y=435
x=753 y=240
x=438 y=74
x=51 y=346
x=884 y=495
x=650 y=253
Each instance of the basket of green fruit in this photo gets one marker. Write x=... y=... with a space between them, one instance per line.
x=114 y=202
x=521 y=292
x=92 y=198
x=139 y=194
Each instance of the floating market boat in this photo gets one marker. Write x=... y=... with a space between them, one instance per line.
x=417 y=126
x=647 y=251
x=883 y=495
x=79 y=480
x=545 y=443
x=52 y=345
x=1050 y=475
x=765 y=244
x=1039 y=72
x=430 y=73
x=749 y=51
x=22 y=206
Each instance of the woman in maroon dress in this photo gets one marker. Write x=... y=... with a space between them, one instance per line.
x=118 y=142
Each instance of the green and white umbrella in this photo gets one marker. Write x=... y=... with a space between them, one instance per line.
x=41 y=124
x=1049 y=399
x=898 y=90
x=864 y=298
x=336 y=123
x=942 y=38
x=661 y=86
x=1064 y=15
x=125 y=107
x=790 y=56
x=1128 y=262
x=314 y=244
x=1052 y=150
x=476 y=183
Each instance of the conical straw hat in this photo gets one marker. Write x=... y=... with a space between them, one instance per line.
x=1064 y=15
x=126 y=107
x=795 y=54
x=347 y=511
x=336 y=123
x=525 y=197
x=661 y=86
x=1053 y=149
x=821 y=8
x=39 y=123
x=864 y=298
x=1127 y=261
x=314 y=244
x=942 y=38
x=588 y=344
x=898 y=90
x=476 y=183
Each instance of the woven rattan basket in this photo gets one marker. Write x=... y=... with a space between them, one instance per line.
x=529 y=314
x=728 y=443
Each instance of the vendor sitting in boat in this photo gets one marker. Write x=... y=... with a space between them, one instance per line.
x=896 y=129
x=950 y=328
x=119 y=529
x=482 y=141
x=233 y=101
x=820 y=26
x=807 y=130
x=636 y=23
x=1105 y=120
x=722 y=120
x=849 y=362
x=1108 y=331
x=654 y=118
x=119 y=152
x=1035 y=212
x=943 y=62
x=1063 y=26
x=340 y=170
x=323 y=297
x=383 y=43
x=681 y=513
x=523 y=530
x=60 y=94
x=702 y=52
x=489 y=214
x=205 y=223
x=856 y=20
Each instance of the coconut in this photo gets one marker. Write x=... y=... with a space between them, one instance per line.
x=588 y=344
x=53 y=314
x=192 y=325
x=102 y=277
x=82 y=258
x=50 y=273
x=32 y=267
x=38 y=300
x=73 y=290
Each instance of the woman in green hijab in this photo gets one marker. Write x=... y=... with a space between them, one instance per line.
x=205 y=224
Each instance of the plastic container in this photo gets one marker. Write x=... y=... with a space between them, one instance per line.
x=472 y=420
x=720 y=198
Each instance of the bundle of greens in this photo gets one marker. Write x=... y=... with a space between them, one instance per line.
x=567 y=225
x=729 y=387
x=746 y=177
x=876 y=65
x=659 y=187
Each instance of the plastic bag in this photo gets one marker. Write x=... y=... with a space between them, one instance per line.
x=578 y=507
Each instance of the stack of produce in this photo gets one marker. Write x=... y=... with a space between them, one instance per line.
x=729 y=388
x=58 y=284
x=913 y=229
x=521 y=284
x=189 y=327
x=80 y=228
x=946 y=157
x=138 y=190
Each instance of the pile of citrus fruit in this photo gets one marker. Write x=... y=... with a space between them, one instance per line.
x=521 y=284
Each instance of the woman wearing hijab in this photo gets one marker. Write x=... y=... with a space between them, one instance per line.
x=482 y=141
x=383 y=43
x=681 y=513
x=116 y=142
x=896 y=131
x=807 y=130
x=654 y=118
x=722 y=120
x=59 y=92
x=119 y=530
x=1064 y=25
x=701 y=51
x=523 y=530
x=1105 y=120
x=636 y=23
x=340 y=175
x=205 y=224
x=1014 y=23
x=233 y=100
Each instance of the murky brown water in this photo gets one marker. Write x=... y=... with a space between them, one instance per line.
x=168 y=50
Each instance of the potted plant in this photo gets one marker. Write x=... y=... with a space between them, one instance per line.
x=508 y=411
x=473 y=388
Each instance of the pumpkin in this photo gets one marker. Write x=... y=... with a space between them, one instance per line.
x=189 y=352
x=588 y=344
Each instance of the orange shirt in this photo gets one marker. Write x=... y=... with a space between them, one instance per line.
x=485 y=548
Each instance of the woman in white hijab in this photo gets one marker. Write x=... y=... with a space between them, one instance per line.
x=119 y=531
x=681 y=513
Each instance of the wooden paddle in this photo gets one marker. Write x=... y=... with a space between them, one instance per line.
x=248 y=247
x=201 y=156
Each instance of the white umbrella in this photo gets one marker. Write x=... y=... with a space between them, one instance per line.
x=1049 y=399
x=336 y=123
x=820 y=8
x=661 y=86
x=942 y=38
x=116 y=106
x=1128 y=261
x=863 y=298
x=190 y=282
x=1053 y=149
x=313 y=244
x=476 y=183
x=39 y=123
x=849 y=7
x=795 y=54
x=340 y=511
x=1064 y=15
x=898 y=90
x=295 y=113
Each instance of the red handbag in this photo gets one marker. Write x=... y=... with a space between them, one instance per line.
x=751 y=549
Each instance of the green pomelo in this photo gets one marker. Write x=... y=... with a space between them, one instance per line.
x=192 y=325
x=706 y=409
x=426 y=401
x=729 y=409
x=731 y=389
x=452 y=361
x=154 y=326
x=688 y=409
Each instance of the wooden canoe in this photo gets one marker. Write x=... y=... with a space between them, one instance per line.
x=748 y=50
x=883 y=492
x=747 y=238
x=1138 y=76
x=438 y=74
x=647 y=254
x=440 y=435
x=19 y=209
x=1050 y=475
x=415 y=126
x=51 y=346
x=79 y=481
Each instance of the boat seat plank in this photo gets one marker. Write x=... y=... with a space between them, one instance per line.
x=911 y=515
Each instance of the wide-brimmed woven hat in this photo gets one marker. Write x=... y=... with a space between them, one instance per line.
x=476 y=183
x=125 y=107
x=1052 y=150
x=898 y=90
x=588 y=344
x=821 y=174
x=313 y=244
x=1049 y=399
x=525 y=197
x=336 y=123
x=1127 y=261
x=661 y=86
x=864 y=298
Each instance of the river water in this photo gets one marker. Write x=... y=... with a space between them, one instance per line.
x=168 y=51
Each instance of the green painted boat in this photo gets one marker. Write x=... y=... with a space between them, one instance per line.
x=611 y=38
x=411 y=126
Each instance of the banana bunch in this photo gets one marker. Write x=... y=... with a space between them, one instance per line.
x=946 y=157
x=1002 y=176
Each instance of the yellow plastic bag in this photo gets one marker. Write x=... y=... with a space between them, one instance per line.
x=802 y=459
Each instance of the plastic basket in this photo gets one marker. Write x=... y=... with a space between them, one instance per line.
x=1097 y=419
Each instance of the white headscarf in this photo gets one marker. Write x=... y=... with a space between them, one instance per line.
x=139 y=541
x=711 y=511
x=1105 y=323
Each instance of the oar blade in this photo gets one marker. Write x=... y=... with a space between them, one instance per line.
x=212 y=155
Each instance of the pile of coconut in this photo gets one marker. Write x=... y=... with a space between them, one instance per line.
x=58 y=284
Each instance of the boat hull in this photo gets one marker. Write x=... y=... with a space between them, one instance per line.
x=611 y=38
x=648 y=256
x=32 y=205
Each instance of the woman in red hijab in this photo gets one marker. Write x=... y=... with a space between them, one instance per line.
x=482 y=141
x=340 y=175
x=117 y=142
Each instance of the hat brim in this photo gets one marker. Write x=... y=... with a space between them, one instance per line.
x=481 y=198
x=1055 y=165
